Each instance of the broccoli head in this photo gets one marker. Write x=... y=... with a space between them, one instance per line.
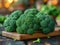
x=26 y=24
x=23 y=25
x=10 y=22
x=46 y=22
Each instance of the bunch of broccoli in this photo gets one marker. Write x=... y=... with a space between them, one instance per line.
x=10 y=22
x=29 y=22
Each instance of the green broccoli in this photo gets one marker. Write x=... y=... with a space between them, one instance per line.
x=10 y=22
x=27 y=22
x=46 y=22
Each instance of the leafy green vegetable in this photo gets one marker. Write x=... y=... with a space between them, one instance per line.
x=27 y=23
x=10 y=22
x=44 y=9
x=46 y=22
x=2 y=18
x=51 y=10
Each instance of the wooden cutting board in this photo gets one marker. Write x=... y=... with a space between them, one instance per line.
x=17 y=36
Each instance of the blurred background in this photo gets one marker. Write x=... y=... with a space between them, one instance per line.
x=7 y=6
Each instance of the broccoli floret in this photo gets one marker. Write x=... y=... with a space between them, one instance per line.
x=46 y=22
x=16 y=14
x=10 y=22
x=20 y=20
x=27 y=19
x=22 y=29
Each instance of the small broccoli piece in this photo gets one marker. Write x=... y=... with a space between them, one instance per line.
x=10 y=22
x=37 y=41
x=46 y=22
